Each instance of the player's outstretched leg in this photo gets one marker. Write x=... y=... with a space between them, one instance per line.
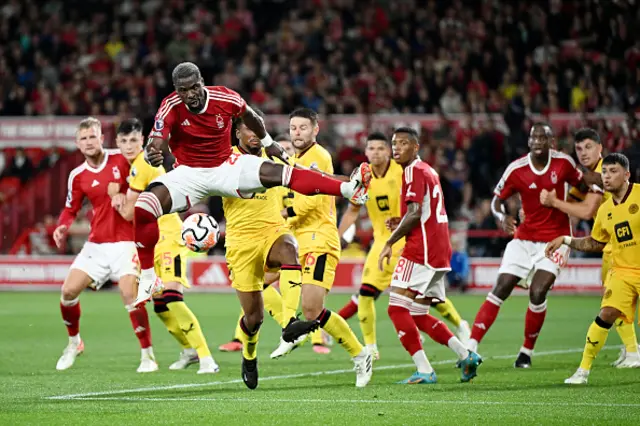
x=368 y=317
x=188 y=355
x=400 y=313
x=250 y=323
x=151 y=205
x=629 y=355
x=350 y=308
x=488 y=312
x=468 y=361
x=534 y=320
x=75 y=282
x=451 y=314
x=596 y=338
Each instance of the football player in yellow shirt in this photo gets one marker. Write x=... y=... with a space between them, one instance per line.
x=313 y=220
x=618 y=224
x=170 y=256
x=383 y=204
x=584 y=206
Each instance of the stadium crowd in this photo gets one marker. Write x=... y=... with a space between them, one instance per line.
x=340 y=57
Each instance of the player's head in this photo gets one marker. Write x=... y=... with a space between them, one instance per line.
x=247 y=139
x=89 y=137
x=405 y=144
x=541 y=140
x=129 y=138
x=615 y=172
x=189 y=85
x=285 y=143
x=588 y=147
x=303 y=128
x=378 y=150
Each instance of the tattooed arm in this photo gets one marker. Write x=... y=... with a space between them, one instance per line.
x=587 y=244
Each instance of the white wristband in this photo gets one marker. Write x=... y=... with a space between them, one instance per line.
x=566 y=240
x=267 y=141
x=499 y=216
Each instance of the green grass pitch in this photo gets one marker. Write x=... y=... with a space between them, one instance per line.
x=303 y=388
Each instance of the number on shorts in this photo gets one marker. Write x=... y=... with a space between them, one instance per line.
x=135 y=259
x=441 y=212
x=167 y=259
x=560 y=258
x=401 y=264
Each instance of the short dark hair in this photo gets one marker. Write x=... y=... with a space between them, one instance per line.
x=129 y=125
x=616 y=158
x=185 y=70
x=586 y=133
x=542 y=124
x=305 y=113
x=410 y=131
x=377 y=136
x=282 y=137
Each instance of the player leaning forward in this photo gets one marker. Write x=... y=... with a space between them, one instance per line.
x=617 y=223
x=418 y=276
x=195 y=121
x=110 y=253
x=542 y=169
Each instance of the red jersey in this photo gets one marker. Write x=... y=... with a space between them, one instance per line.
x=199 y=139
x=107 y=225
x=541 y=224
x=428 y=243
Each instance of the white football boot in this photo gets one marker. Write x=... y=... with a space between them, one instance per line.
x=373 y=350
x=628 y=360
x=186 y=358
x=286 y=347
x=580 y=377
x=208 y=366
x=148 y=285
x=69 y=354
x=363 y=365
x=148 y=362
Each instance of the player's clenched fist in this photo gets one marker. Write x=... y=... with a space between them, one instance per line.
x=153 y=156
x=59 y=235
x=552 y=246
x=547 y=198
x=509 y=225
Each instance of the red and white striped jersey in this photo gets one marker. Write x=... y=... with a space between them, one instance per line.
x=541 y=224
x=107 y=225
x=202 y=139
x=428 y=243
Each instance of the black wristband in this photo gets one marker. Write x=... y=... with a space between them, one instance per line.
x=290 y=212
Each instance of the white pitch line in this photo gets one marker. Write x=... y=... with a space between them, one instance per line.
x=285 y=376
x=361 y=401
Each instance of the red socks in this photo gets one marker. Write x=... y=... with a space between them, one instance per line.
x=435 y=328
x=140 y=323
x=70 y=310
x=309 y=182
x=146 y=231
x=485 y=317
x=533 y=323
x=399 y=312
x=350 y=309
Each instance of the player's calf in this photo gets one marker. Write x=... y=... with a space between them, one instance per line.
x=74 y=284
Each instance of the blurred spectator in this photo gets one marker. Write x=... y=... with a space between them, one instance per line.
x=460 y=266
x=3 y=162
x=21 y=166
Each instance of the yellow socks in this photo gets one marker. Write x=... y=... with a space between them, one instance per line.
x=449 y=312
x=596 y=337
x=273 y=303
x=237 y=335
x=627 y=332
x=249 y=340
x=290 y=288
x=338 y=328
x=367 y=317
x=188 y=322
x=170 y=322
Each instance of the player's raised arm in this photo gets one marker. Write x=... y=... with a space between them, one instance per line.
x=585 y=209
x=158 y=141
x=255 y=123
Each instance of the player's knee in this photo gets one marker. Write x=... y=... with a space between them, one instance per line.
x=368 y=290
x=609 y=315
x=69 y=292
x=288 y=250
x=538 y=294
x=504 y=286
x=254 y=319
x=271 y=174
x=311 y=311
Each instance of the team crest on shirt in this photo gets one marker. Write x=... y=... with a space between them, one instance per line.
x=633 y=208
x=607 y=294
x=554 y=177
x=219 y=121
x=116 y=172
x=158 y=125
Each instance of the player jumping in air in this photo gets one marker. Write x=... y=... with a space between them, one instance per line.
x=584 y=206
x=110 y=253
x=313 y=220
x=383 y=204
x=542 y=169
x=195 y=122
x=418 y=276
x=617 y=224
x=170 y=255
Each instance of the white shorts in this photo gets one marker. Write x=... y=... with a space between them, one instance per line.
x=238 y=177
x=522 y=258
x=423 y=279
x=107 y=261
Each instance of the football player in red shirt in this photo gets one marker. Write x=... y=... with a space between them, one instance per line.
x=110 y=253
x=195 y=122
x=419 y=275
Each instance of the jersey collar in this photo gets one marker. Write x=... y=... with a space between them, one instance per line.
x=306 y=150
x=533 y=168
x=383 y=173
x=626 y=195
x=101 y=166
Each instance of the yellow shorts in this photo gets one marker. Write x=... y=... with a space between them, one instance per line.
x=606 y=266
x=170 y=259
x=247 y=260
x=319 y=269
x=621 y=292
x=372 y=275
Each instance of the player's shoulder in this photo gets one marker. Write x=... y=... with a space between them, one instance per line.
x=168 y=104
x=76 y=173
x=223 y=94
x=562 y=158
x=634 y=194
x=395 y=169
x=115 y=157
